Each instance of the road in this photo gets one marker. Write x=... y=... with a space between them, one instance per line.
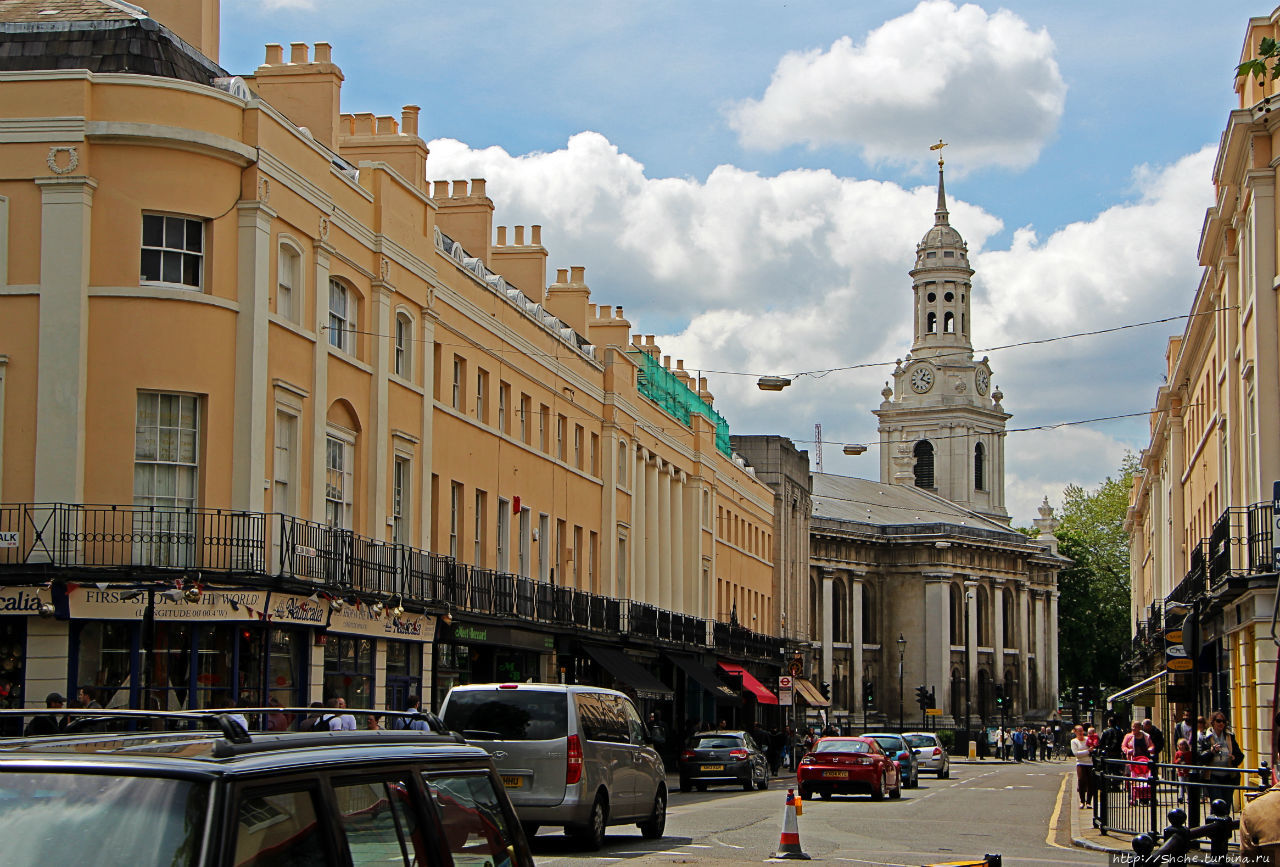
x=1005 y=809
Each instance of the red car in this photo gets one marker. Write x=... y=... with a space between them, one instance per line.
x=848 y=766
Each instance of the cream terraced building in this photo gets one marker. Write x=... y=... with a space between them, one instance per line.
x=245 y=343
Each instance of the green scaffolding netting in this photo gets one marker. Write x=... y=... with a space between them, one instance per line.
x=676 y=399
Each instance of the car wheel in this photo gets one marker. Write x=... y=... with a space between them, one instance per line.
x=750 y=782
x=591 y=835
x=805 y=793
x=826 y=794
x=877 y=794
x=764 y=783
x=944 y=774
x=896 y=791
x=652 y=828
x=530 y=829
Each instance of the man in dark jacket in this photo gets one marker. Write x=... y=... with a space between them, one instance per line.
x=1111 y=752
x=48 y=724
x=1156 y=737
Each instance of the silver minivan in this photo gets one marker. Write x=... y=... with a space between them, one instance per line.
x=574 y=756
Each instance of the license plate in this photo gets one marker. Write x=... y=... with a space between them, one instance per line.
x=713 y=767
x=835 y=775
x=513 y=782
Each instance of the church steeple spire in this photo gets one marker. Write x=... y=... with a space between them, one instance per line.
x=940 y=216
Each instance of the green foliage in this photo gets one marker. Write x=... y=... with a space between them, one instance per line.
x=1268 y=49
x=1093 y=606
x=948 y=739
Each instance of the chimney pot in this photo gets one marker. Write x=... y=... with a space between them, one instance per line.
x=275 y=55
x=666 y=361
x=649 y=340
x=477 y=186
x=519 y=236
x=591 y=311
x=409 y=119
x=459 y=189
x=578 y=274
x=562 y=275
x=680 y=364
x=387 y=125
x=617 y=312
x=297 y=52
x=441 y=190
x=324 y=52
x=364 y=123
x=502 y=236
x=537 y=235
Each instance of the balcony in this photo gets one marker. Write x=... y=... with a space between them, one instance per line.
x=140 y=543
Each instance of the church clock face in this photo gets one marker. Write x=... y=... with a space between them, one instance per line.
x=983 y=381
x=921 y=379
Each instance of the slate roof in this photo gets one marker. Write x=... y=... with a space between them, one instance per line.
x=98 y=35
x=844 y=498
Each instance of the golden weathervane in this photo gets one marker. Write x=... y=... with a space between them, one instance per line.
x=938 y=147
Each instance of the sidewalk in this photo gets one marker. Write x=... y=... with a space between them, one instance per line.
x=1083 y=834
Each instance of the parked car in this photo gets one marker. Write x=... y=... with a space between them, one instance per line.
x=716 y=758
x=840 y=766
x=931 y=755
x=578 y=757
x=899 y=750
x=223 y=798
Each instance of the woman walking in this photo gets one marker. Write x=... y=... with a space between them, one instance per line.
x=1084 y=767
x=1220 y=753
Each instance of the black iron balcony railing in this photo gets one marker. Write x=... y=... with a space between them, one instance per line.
x=145 y=541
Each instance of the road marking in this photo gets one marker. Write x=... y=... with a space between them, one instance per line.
x=1057 y=811
x=729 y=845
x=696 y=846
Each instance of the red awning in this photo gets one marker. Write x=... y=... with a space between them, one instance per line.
x=750 y=684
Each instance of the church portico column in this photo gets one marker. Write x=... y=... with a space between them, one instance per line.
x=856 y=639
x=1024 y=648
x=937 y=632
x=970 y=645
x=1051 y=658
x=997 y=634
x=828 y=651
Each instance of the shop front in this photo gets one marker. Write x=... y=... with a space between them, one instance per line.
x=17 y=605
x=370 y=651
x=481 y=653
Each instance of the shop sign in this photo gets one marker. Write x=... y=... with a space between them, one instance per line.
x=19 y=600
x=90 y=603
x=302 y=610
x=9 y=539
x=465 y=633
x=353 y=620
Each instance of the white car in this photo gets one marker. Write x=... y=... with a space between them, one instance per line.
x=931 y=755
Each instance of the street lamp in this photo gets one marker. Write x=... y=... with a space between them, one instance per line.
x=902 y=650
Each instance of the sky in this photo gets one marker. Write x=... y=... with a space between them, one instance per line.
x=748 y=180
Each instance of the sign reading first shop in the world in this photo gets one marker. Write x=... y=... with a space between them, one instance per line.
x=90 y=603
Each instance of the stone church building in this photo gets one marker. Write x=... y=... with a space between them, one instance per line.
x=917 y=579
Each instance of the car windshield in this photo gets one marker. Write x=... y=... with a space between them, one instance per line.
x=834 y=746
x=714 y=742
x=920 y=740
x=510 y=715
x=113 y=821
x=889 y=743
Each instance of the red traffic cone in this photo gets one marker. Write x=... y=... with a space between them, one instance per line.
x=789 y=844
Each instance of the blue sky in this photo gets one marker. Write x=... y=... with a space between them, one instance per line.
x=749 y=179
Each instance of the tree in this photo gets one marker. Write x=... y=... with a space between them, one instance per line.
x=1268 y=49
x=1093 y=602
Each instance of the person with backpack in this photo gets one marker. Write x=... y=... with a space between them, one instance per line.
x=1110 y=752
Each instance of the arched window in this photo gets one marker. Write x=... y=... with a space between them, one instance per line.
x=984 y=618
x=931 y=323
x=289 y=285
x=957 y=615
x=957 y=693
x=949 y=323
x=924 y=464
x=984 y=694
x=404 y=346
x=839 y=620
x=979 y=467
x=623 y=461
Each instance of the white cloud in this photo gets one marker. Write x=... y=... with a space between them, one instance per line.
x=807 y=271
x=987 y=82
x=273 y=5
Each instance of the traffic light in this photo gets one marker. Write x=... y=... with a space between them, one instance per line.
x=1081 y=697
x=922 y=697
x=999 y=695
x=868 y=693
x=825 y=689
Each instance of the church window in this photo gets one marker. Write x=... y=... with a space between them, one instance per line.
x=931 y=324
x=932 y=297
x=931 y=255
x=948 y=254
x=984 y=618
x=924 y=464
x=957 y=616
x=839 y=622
x=979 y=467
x=962 y=325
x=949 y=297
x=949 y=323
x=870 y=635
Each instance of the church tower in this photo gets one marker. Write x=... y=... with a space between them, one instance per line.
x=942 y=427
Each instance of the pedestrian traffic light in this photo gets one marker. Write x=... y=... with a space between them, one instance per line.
x=922 y=697
x=868 y=693
x=999 y=695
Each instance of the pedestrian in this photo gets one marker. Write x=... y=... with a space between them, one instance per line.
x=788 y=747
x=1084 y=767
x=1220 y=752
x=1017 y=738
x=277 y=721
x=1184 y=729
x=1135 y=731
x=1260 y=826
x=316 y=721
x=774 y=752
x=1140 y=768
x=1183 y=757
x=48 y=724
x=1156 y=738
x=374 y=722
x=1110 y=754
x=983 y=749
x=88 y=697
x=1092 y=738
x=339 y=722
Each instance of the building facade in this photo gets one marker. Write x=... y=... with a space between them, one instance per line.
x=280 y=417
x=917 y=580
x=1200 y=512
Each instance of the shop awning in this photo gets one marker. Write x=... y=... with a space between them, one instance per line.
x=628 y=671
x=704 y=677
x=811 y=694
x=1150 y=686
x=750 y=684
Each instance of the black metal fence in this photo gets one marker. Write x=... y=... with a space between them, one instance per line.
x=1136 y=797
x=142 y=541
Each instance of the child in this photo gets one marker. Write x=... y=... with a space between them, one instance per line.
x=1182 y=756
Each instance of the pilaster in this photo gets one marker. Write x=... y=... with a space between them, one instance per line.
x=249 y=418
x=666 y=549
x=426 y=466
x=856 y=585
x=828 y=651
x=652 y=528
x=680 y=574
x=378 y=485
x=320 y=381
x=937 y=630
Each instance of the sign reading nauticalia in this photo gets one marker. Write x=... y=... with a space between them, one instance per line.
x=288 y=608
x=90 y=603
x=362 y=621
x=19 y=600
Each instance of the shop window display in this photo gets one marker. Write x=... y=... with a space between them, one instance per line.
x=104 y=663
x=404 y=672
x=348 y=670
x=13 y=661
